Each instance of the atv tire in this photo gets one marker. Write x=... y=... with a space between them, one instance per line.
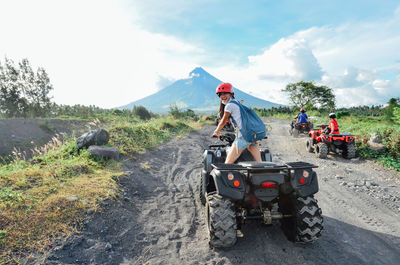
x=203 y=188
x=309 y=145
x=321 y=150
x=349 y=151
x=221 y=221
x=306 y=224
x=296 y=132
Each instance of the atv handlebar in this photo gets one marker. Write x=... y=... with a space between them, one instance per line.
x=228 y=137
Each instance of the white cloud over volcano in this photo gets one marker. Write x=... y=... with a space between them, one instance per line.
x=353 y=59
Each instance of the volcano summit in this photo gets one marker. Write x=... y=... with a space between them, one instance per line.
x=197 y=93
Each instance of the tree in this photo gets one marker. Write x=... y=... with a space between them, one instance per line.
x=392 y=104
x=396 y=115
x=22 y=91
x=309 y=95
x=40 y=102
x=12 y=103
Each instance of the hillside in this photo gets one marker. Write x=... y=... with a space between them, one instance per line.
x=196 y=92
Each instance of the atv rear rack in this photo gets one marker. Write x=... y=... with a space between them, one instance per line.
x=300 y=165
x=262 y=166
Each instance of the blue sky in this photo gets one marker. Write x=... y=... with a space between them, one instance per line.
x=110 y=53
x=238 y=29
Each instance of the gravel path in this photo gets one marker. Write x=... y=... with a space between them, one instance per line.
x=160 y=219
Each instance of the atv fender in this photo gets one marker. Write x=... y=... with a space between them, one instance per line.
x=210 y=157
x=309 y=187
x=225 y=184
x=207 y=160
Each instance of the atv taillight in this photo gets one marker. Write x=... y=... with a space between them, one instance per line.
x=236 y=183
x=302 y=180
x=268 y=184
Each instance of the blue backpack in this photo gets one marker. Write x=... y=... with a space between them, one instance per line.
x=253 y=129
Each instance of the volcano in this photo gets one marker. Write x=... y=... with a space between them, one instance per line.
x=197 y=92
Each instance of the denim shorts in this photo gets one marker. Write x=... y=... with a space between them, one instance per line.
x=242 y=143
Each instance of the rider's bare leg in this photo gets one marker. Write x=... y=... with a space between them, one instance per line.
x=233 y=155
x=255 y=152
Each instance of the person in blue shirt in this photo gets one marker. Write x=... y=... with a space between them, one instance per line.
x=302 y=117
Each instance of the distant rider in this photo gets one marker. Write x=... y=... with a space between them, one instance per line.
x=333 y=124
x=227 y=110
x=333 y=127
x=301 y=117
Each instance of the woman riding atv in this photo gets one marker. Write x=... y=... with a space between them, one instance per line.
x=333 y=127
x=227 y=110
x=301 y=117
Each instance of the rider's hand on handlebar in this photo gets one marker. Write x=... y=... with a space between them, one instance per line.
x=215 y=134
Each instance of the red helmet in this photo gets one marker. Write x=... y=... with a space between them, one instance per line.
x=224 y=88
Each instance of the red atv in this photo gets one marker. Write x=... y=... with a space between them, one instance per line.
x=322 y=143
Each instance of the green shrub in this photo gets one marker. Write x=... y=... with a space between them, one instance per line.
x=396 y=115
x=175 y=112
x=141 y=112
x=342 y=113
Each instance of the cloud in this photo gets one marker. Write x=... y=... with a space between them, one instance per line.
x=352 y=77
x=288 y=59
x=351 y=58
x=397 y=10
x=94 y=51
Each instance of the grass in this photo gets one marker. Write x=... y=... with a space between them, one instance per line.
x=35 y=196
x=363 y=128
x=134 y=136
x=48 y=196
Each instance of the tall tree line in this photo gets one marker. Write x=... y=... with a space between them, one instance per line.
x=23 y=91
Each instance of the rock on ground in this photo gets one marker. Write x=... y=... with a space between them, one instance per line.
x=104 y=151
x=94 y=137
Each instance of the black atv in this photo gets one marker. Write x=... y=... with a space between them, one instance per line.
x=297 y=128
x=249 y=190
x=216 y=153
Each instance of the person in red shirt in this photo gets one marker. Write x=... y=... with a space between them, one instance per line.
x=333 y=124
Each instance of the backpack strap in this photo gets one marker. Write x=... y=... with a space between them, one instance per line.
x=238 y=104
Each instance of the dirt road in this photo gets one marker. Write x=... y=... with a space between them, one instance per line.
x=160 y=219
